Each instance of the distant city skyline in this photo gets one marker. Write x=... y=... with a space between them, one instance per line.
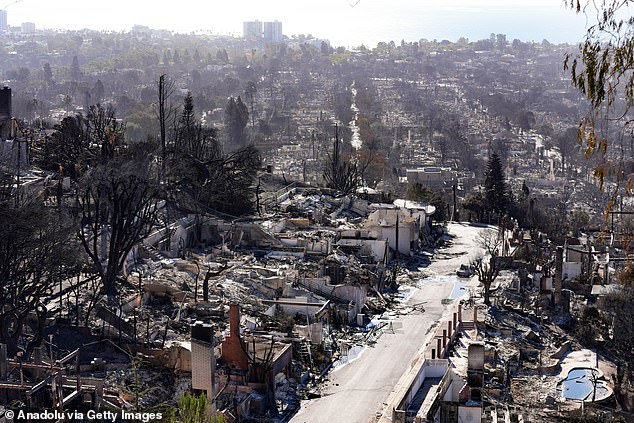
x=343 y=22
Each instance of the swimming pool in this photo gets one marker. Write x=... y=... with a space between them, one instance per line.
x=584 y=384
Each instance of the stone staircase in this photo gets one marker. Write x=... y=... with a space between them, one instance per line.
x=302 y=348
x=150 y=252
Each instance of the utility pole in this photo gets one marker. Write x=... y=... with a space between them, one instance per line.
x=454 y=214
x=13 y=134
x=397 y=214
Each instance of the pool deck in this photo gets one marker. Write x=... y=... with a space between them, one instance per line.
x=585 y=359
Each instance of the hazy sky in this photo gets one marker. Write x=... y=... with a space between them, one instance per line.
x=341 y=21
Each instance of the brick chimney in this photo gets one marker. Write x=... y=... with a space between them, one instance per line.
x=233 y=350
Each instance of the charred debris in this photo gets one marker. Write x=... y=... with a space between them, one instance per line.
x=250 y=312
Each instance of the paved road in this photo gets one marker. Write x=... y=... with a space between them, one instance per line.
x=356 y=392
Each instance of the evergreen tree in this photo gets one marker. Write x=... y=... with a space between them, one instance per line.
x=48 y=74
x=201 y=176
x=75 y=71
x=222 y=56
x=496 y=190
x=98 y=91
x=236 y=118
x=420 y=193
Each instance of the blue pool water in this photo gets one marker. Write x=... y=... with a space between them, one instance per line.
x=580 y=385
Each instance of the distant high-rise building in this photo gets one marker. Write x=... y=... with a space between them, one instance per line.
x=273 y=31
x=3 y=20
x=252 y=30
x=28 y=28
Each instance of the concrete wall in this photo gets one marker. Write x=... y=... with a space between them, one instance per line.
x=356 y=294
x=282 y=360
x=373 y=247
x=313 y=332
x=469 y=414
x=320 y=246
x=574 y=256
x=295 y=306
x=476 y=357
x=383 y=222
x=433 y=177
x=429 y=369
x=546 y=284
x=571 y=269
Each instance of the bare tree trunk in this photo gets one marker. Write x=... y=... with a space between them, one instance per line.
x=487 y=292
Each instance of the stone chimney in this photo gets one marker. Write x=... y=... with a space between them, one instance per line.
x=203 y=358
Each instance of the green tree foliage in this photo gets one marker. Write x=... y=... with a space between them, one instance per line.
x=619 y=306
x=511 y=110
x=567 y=141
x=48 y=74
x=236 y=118
x=422 y=194
x=475 y=204
x=141 y=124
x=602 y=71
x=578 y=221
x=65 y=150
x=590 y=326
x=98 y=91
x=601 y=68
x=342 y=103
x=222 y=56
x=496 y=191
x=75 y=70
x=193 y=409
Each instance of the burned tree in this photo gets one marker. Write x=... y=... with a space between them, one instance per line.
x=117 y=209
x=496 y=191
x=201 y=177
x=65 y=149
x=342 y=173
x=250 y=92
x=236 y=119
x=165 y=111
x=485 y=265
x=36 y=253
x=80 y=141
x=104 y=130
